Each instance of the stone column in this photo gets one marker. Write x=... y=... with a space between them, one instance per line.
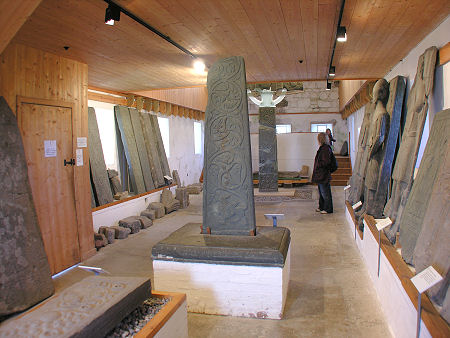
x=228 y=202
x=268 y=165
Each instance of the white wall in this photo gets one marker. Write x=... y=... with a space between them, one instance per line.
x=293 y=151
x=440 y=98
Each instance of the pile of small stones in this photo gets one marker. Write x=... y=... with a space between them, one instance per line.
x=137 y=319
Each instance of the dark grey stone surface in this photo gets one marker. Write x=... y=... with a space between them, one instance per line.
x=120 y=232
x=268 y=248
x=359 y=169
x=25 y=277
x=268 y=164
x=228 y=204
x=89 y=308
x=131 y=222
x=417 y=108
x=425 y=222
x=394 y=107
x=99 y=176
x=160 y=146
x=123 y=119
x=151 y=144
x=344 y=149
x=141 y=148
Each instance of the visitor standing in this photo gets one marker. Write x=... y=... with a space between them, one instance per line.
x=330 y=137
x=322 y=175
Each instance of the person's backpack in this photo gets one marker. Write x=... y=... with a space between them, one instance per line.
x=333 y=165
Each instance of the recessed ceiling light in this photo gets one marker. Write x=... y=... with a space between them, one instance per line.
x=199 y=66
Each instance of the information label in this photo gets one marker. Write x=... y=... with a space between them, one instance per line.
x=383 y=223
x=347 y=187
x=356 y=205
x=81 y=142
x=167 y=177
x=426 y=279
x=49 y=148
x=79 y=157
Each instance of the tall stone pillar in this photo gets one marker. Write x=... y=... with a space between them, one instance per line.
x=228 y=202
x=268 y=164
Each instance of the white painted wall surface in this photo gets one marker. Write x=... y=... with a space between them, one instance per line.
x=231 y=290
x=294 y=151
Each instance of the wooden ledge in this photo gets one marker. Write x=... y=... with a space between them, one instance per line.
x=290 y=181
x=104 y=206
x=158 y=321
x=355 y=223
x=435 y=324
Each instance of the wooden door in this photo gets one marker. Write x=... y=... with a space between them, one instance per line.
x=52 y=182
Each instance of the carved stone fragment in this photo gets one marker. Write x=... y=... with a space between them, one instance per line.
x=417 y=106
x=120 y=232
x=145 y=222
x=149 y=213
x=132 y=223
x=169 y=202
x=159 y=208
x=181 y=194
x=176 y=178
x=228 y=202
x=268 y=164
x=25 y=277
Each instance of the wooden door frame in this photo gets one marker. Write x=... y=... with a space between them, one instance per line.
x=62 y=104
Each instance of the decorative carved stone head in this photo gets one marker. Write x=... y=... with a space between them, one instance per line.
x=381 y=91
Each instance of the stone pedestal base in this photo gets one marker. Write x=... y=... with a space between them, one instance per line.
x=245 y=276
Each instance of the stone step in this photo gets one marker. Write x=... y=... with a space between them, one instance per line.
x=343 y=171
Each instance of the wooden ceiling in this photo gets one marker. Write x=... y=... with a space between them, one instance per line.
x=272 y=35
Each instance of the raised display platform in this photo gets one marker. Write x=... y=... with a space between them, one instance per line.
x=244 y=276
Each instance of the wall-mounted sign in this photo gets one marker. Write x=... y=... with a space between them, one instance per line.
x=81 y=142
x=49 y=148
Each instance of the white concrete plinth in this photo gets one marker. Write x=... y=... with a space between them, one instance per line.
x=230 y=290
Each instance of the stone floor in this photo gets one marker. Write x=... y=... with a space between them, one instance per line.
x=330 y=292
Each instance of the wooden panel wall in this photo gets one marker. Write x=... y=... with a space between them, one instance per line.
x=29 y=72
x=348 y=88
x=13 y=15
x=191 y=97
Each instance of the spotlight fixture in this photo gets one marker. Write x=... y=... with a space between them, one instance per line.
x=328 y=85
x=341 y=34
x=112 y=14
x=199 y=66
x=332 y=71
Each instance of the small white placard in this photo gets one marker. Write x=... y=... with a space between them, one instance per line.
x=426 y=279
x=81 y=142
x=356 y=205
x=49 y=148
x=167 y=177
x=347 y=187
x=382 y=223
x=271 y=216
x=79 y=157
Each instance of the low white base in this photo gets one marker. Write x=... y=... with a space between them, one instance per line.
x=230 y=290
x=397 y=306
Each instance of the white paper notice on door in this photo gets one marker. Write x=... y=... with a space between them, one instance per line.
x=81 y=142
x=49 y=148
x=79 y=157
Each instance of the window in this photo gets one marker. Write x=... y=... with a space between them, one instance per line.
x=321 y=127
x=164 y=128
x=197 y=138
x=283 y=128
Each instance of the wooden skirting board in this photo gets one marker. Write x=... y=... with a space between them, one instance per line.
x=281 y=181
x=435 y=324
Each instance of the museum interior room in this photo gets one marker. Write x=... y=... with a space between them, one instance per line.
x=235 y=168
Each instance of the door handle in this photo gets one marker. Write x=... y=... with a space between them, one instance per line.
x=71 y=162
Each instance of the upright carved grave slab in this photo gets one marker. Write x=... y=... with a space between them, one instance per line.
x=228 y=201
x=268 y=164
x=25 y=277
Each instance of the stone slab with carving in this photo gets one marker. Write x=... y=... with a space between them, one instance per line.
x=159 y=208
x=152 y=150
x=176 y=178
x=228 y=201
x=417 y=108
x=25 y=277
x=89 y=308
x=182 y=195
x=170 y=203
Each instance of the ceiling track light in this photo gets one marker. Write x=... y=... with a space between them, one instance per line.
x=112 y=14
x=328 y=85
x=332 y=71
x=151 y=28
x=341 y=34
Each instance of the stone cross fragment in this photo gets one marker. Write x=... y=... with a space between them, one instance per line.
x=228 y=201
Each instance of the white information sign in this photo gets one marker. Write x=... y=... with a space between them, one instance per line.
x=356 y=205
x=347 y=187
x=426 y=279
x=50 y=148
x=167 y=177
x=81 y=142
x=382 y=223
x=79 y=157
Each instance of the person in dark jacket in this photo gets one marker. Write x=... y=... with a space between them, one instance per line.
x=322 y=175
